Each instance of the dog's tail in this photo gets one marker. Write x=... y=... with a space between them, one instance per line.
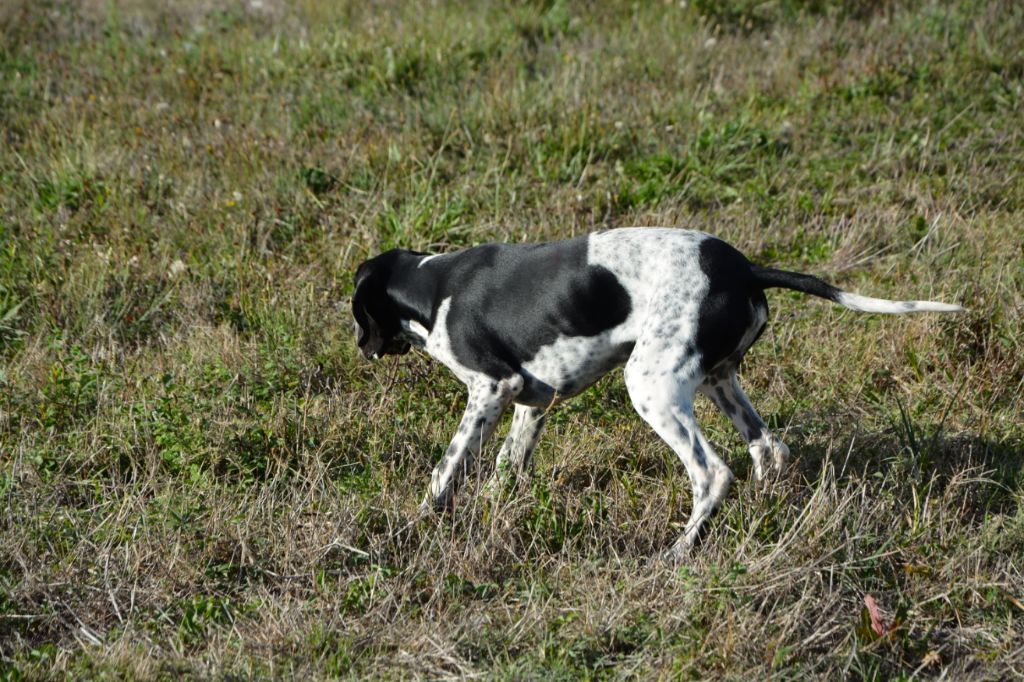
x=808 y=284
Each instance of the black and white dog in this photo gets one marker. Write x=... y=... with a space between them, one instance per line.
x=531 y=324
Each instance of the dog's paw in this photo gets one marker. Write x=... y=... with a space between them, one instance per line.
x=425 y=510
x=442 y=503
x=505 y=481
x=770 y=455
x=493 y=488
x=680 y=552
x=780 y=454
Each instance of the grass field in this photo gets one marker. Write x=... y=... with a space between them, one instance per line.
x=200 y=477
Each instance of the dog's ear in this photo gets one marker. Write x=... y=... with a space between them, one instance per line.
x=370 y=306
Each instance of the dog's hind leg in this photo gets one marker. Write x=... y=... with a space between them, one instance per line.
x=766 y=449
x=514 y=457
x=662 y=389
x=487 y=400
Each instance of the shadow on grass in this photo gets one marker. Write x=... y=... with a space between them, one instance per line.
x=990 y=469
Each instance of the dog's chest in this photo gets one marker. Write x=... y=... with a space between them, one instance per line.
x=438 y=344
x=571 y=364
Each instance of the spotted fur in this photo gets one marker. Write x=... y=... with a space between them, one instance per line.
x=533 y=324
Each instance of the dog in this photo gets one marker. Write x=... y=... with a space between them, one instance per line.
x=532 y=324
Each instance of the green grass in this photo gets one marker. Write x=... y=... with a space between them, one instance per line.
x=200 y=477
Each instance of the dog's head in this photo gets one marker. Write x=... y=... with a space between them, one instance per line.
x=378 y=324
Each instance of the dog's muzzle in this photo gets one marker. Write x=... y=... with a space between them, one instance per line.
x=393 y=347
x=397 y=347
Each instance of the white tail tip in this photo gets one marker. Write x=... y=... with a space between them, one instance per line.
x=880 y=305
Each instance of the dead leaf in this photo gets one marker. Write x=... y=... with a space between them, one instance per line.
x=877 y=624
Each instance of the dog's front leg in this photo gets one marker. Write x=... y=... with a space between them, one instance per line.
x=488 y=398
x=514 y=457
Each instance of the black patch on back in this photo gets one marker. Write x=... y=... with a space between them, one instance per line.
x=727 y=311
x=511 y=300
